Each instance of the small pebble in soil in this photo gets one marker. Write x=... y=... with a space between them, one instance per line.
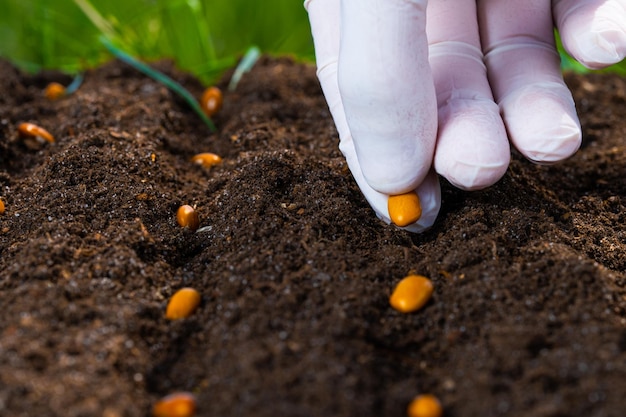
x=182 y=304
x=206 y=159
x=411 y=293
x=187 y=216
x=404 y=209
x=180 y=404
x=211 y=101
x=1 y=207
x=54 y=91
x=426 y=405
x=32 y=131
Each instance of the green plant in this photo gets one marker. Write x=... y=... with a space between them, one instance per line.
x=202 y=36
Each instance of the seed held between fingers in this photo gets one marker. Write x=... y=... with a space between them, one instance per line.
x=206 y=159
x=30 y=130
x=411 y=293
x=54 y=91
x=182 y=304
x=187 y=216
x=426 y=405
x=211 y=101
x=180 y=404
x=404 y=209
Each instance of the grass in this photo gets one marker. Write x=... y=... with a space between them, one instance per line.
x=204 y=37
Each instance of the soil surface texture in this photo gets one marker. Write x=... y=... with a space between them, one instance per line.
x=528 y=316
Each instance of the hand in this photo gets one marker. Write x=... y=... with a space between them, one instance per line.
x=414 y=88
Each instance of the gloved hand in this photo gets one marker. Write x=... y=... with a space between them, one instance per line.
x=414 y=88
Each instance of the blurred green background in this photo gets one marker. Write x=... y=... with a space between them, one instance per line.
x=204 y=37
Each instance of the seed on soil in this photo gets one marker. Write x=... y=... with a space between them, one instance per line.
x=211 y=101
x=30 y=130
x=411 y=293
x=180 y=404
x=54 y=91
x=1 y=207
x=182 y=304
x=187 y=216
x=206 y=159
x=426 y=405
x=404 y=209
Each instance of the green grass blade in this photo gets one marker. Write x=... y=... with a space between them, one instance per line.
x=96 y=18
x=160 y=77
x=75 y=84
x=245 y=65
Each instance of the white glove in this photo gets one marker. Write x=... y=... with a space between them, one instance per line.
x=395 y=71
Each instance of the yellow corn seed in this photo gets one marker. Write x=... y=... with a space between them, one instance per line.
x=1 y=207
x=426 y=405
x=206 y=159
x=182 y=304
x=180 y=404
x=411 y=293
x=211 y=101
x=30 y=130
x=54 y=91
x=187 y=216
x=404 y=209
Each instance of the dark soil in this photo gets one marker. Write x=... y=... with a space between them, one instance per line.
x=528 y=316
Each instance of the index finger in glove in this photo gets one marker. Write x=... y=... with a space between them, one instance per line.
x=324 y=16
x=387 y=91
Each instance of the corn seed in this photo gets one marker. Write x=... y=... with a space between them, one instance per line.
x=186 y=216
x=426 y=405
x=404 y=209
x=54 y=91
x=411 y=293
x=211 y=101
x=180 y=404
x=30 y=130
x=206 y=159
x=182 y=304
